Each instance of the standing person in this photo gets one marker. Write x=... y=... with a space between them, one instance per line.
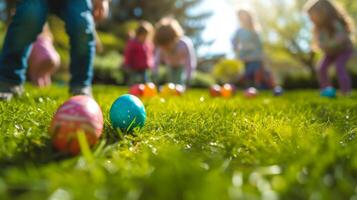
x=44 y=59
x=27 y=23
x=175 y=50
x=332 y=29
x=249 y=48
x=139 y=54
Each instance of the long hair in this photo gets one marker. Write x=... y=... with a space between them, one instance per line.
x=328 y=13
x=250 y=23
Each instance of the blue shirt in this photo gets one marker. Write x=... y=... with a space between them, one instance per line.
x=247 y=45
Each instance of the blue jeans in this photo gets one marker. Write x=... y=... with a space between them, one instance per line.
x=176 y=74
x=251 y=70
x=28 y=22
x=137 y=77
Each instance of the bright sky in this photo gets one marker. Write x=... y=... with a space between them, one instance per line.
x=220 y=27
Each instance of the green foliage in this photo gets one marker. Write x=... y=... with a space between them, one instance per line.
x=286 y=31
x=305 y=80
x=227 y=71
x=298 y=146
x=110 y=42
x=107 y=68
x=193 y=22
x=202 y=80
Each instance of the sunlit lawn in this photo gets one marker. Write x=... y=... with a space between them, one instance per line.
x=298 y=146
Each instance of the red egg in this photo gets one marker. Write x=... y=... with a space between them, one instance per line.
x=180 y=89
x=251 y=92
x=137 y=90
x=78 y=114
x=215 y=90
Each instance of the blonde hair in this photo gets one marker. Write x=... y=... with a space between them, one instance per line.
x=168 y=30
x=329 y=12
x=144 y=28
x=250 y=24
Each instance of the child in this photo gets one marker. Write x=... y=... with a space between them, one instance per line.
x=28 y=21
x=332 y=30
x=175 y=50
x=139 y=54
x=44 y=59
x=246 y=42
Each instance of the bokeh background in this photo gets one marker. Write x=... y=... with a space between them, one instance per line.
x=285 y=29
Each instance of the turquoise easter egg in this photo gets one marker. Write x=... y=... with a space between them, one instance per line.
x=127 y=113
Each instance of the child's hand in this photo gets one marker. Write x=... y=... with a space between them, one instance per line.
x=101 y=10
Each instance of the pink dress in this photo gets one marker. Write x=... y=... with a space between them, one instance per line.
x=183 y=55
x=139 y=56
x=43 y=61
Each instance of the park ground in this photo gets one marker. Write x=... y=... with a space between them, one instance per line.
x=298 y=146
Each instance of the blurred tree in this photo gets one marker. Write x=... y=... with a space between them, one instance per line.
x=286 y=30
x=192 y=22
x=227 y=71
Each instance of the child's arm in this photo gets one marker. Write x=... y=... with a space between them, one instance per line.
x=191 y=60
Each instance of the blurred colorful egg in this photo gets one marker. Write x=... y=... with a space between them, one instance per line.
x=278 y=91
x=227 y=91
x=329 y=92
x=127 y=113
x=168 y=90
x=180 y=89
x=215 y=90
x=251 y=92
x=150 y=90
x=137 y=90
x=78 y=114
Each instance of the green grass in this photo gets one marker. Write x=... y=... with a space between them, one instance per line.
x=299 y=146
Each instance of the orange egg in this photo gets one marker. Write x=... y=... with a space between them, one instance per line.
x=227 y=91
x=168 y=90
x=150 y=90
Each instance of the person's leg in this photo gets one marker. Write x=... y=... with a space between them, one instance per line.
x=27 y=23
x=250 y=73
x=258 y=73
x=343 y=77
x=80 y=27
x=322 y=71
x=135 y=77
x=176 y=75
x=146 y=77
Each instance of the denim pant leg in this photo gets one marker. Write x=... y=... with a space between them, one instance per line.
x=251 y=68
x=176 y=75
x=27 y=23
x=77 y=15
x=137 y=77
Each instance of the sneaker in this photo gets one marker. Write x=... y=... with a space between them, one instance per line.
x=8 y=91
x=85 y=90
